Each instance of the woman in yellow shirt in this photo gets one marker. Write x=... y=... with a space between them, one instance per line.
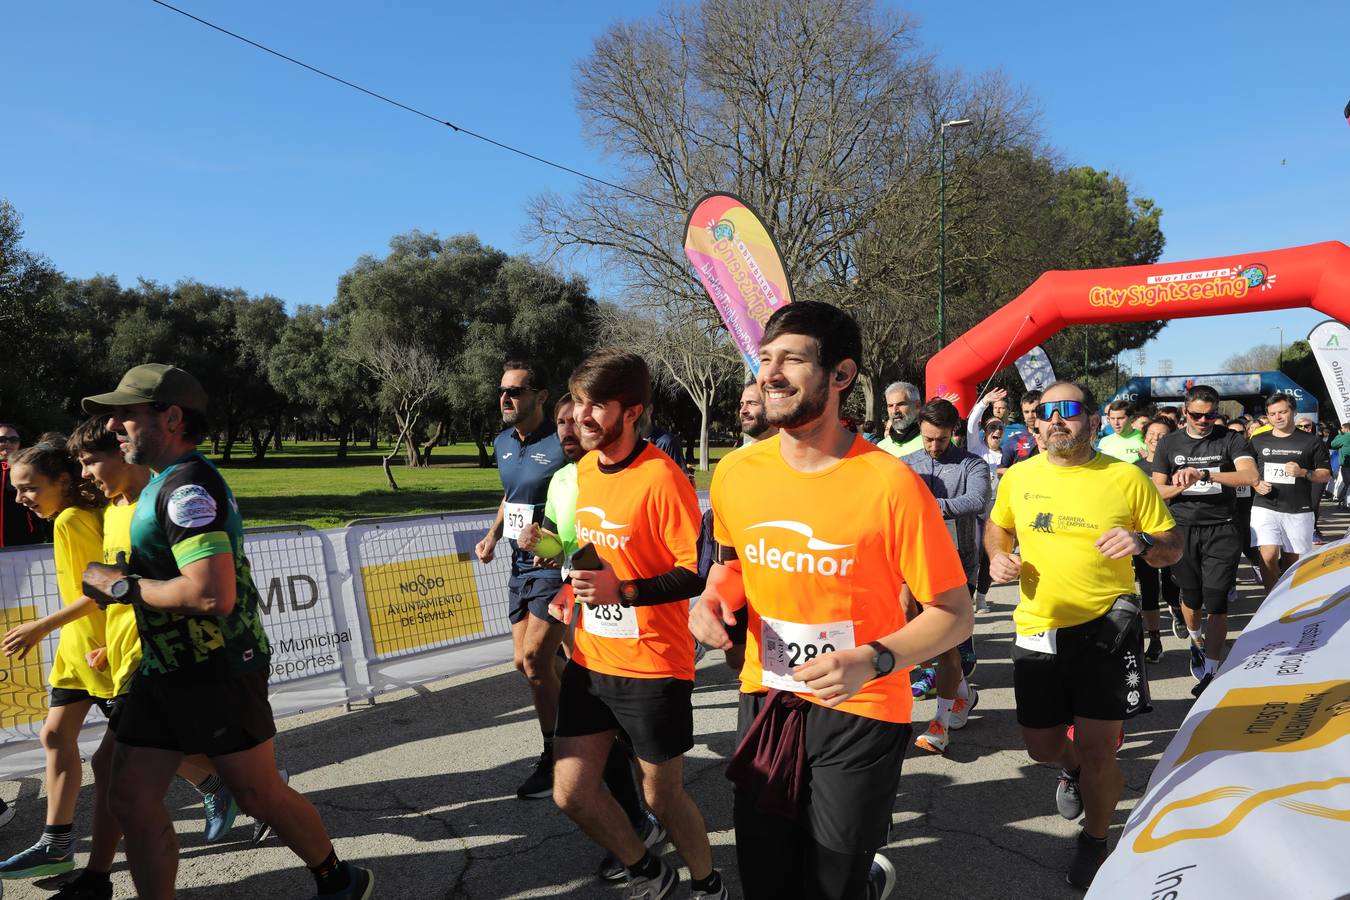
x=48 y=482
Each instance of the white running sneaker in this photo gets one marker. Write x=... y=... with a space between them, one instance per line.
x=934 y=740
x=961 y=708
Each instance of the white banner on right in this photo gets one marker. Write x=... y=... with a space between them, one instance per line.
x=1252 y=796
x=1330 y=342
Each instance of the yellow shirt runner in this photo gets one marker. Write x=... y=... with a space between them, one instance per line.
x=1058 y=512
x=77 y=537
x=124 y=641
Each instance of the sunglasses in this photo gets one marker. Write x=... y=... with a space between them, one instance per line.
x=1202 y=417
x=8 y=439
x=1067 y=409
x=514 y=392
x=1304 y=427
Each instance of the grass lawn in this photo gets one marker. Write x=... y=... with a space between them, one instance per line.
x=306 y=484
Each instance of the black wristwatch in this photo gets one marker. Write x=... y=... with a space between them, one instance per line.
x=628 y=593
x=125 y=589
x=1145 y=541
x=1204 y=476
x=884 y=661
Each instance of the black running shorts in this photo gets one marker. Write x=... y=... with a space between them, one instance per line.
x=1207 y=570
x=214 y=717
x=853 y=766
x=655 y=715
x=1080 y=679
x=67 y=696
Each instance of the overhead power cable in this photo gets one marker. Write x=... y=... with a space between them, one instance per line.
x=414 y=110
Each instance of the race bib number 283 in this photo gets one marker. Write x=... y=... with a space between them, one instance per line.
x=785 y=645
x=610 y=621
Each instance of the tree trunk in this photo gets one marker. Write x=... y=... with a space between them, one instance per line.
x=432 y=441
x=375 y=435
x=344 y=432
x=869 y=391
x=231 y=435
x=703 y=433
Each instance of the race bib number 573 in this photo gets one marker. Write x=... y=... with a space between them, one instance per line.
x=785 y=645
x=514 y=518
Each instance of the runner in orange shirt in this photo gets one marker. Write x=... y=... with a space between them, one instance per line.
x=632 y=666
x=819 y=532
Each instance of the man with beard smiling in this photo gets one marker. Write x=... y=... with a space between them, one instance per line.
x=632 y=666
x=528 y=453
x=1080 y=517
x=902 y=426
x=817 y=533
x=202 y=682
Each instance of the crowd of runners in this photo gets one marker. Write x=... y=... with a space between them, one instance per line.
x=839 y=572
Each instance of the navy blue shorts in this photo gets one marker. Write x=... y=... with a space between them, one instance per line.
x=531 y=594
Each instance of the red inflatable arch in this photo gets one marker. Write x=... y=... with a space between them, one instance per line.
x=1317 y=275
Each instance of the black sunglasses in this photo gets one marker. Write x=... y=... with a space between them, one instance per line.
x=514 y=391
x=1066 y=408
x=1202 y=417
x=9 y=438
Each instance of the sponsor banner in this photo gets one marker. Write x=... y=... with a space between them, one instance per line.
x=1245 y=385
x=1035 y=368
x=1231 y=282
x=1256 y=783
x=419 y=586
x=739 y=266
x=1330 y=342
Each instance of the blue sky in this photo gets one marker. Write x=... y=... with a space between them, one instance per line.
x=142 y=144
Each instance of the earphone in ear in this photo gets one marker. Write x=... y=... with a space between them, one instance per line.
x=840 y=376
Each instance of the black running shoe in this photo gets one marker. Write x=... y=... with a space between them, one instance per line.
x=1088 y=857
x=1203 y=683
x=361 y=887
x=540 y=783
x=85 y=887
x=1179 y=625
x=1154 y=653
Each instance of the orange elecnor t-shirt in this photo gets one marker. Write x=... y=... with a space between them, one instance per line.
x=823 y=556
x=644 y=521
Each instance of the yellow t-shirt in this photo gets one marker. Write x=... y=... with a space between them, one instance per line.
x=77 y=536
x=1058 y=513
x=124 y=641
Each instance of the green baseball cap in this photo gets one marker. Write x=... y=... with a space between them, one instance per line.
x=150 y=383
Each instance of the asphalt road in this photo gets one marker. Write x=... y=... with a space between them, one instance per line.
x=421 y=787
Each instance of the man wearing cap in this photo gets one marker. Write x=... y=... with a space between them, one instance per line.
x=202 y=684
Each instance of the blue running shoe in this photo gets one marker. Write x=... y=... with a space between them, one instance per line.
x=1197 y=661
x=38 y=861
x=220 y=810
x=968 y=658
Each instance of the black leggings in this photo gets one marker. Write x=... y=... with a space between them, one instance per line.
x=983 y=582
x=1154 y=582
x=778 y=860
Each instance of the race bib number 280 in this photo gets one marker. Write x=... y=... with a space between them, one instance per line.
x=785 y=645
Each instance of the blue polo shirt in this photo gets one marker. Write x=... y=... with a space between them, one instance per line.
x=526 y=467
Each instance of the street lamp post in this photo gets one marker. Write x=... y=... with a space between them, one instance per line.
x=1280 y=328
x=942 y=227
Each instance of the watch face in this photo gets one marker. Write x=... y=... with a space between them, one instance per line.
x=119 y=588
